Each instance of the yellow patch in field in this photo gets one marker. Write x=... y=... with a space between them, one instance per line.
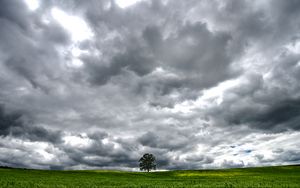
x=210 y=174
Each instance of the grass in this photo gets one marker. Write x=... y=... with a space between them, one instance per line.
x=281 y=176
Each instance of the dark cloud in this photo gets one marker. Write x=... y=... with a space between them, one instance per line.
x=10 y=10
x=35 y=133
x=8 y=121
x=233 y=164
x=290 y=156
x=196 y=57
x=265 y=102
x=97 y=153
x=29 y=44
x=133 y=60
x=282 y=156
x=284 y=113
x=14 y=124
x=173 y=141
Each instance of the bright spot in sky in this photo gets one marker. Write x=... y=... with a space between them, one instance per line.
x=217 y=92
x=76 y=63
x=32 y=4
x=77 y=141
x=294 y=47
x=126 y=3
x=75 y=25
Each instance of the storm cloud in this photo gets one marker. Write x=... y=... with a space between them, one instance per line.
x=200 y=84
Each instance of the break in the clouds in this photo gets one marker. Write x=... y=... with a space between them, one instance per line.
x=200 y=84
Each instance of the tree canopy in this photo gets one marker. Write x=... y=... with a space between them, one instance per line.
x=147 y=162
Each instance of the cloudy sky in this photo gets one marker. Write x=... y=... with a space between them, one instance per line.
x=198 y=83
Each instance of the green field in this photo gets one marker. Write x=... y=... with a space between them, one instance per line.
x=283 y=176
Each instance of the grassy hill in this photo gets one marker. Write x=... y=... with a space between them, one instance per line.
x=281 y=176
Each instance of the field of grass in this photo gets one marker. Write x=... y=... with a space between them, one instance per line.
x=282 y=176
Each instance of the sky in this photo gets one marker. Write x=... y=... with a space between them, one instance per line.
x=198 y=83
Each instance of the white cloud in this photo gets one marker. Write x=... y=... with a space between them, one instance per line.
x=77 y=141
x=75 y=25
x=32 y=4
x=126 y=3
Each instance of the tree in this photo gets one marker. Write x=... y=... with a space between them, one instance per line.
x=147 y=162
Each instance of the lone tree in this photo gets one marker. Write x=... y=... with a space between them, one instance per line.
x=147 y=162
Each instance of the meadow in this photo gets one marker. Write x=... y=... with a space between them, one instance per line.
x=280 y=176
